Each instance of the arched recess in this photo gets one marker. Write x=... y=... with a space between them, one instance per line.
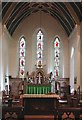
x=40 y=47
x=22 y=56
x=57 y=57
x=57 y=61
x=34 y=48
x=72 y=71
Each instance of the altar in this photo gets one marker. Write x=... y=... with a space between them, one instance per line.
x=38 y=82
x=37 y=104
x=38 y=98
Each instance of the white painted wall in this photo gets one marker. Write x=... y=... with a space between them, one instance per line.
x=28 y=28
x=74 y=43
x=50 y=27
x=5 y=56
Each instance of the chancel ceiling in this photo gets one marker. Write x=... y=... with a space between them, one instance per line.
x=67 y=13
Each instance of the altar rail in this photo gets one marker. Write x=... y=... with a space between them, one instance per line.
x=38 y=88
x=17 y=113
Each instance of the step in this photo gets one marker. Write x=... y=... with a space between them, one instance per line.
x=38 y=117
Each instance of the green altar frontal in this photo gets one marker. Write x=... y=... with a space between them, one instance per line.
x=38 y=88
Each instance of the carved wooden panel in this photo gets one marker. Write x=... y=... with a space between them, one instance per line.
x=15 y=85
x=69 y=113
x=12 y=113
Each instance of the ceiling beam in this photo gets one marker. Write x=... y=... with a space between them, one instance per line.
x=8 y=13
x=72 y=12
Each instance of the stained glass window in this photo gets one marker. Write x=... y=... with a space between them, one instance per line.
x=22 y=57
x=39 y=48
x=57 y=57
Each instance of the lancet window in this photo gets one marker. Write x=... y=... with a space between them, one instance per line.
x=39 y=48
x=22 y=55
x=56 y=57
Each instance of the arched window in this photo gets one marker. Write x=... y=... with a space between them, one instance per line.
x=57 y=57
x=39 y=48
x=22 y=54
